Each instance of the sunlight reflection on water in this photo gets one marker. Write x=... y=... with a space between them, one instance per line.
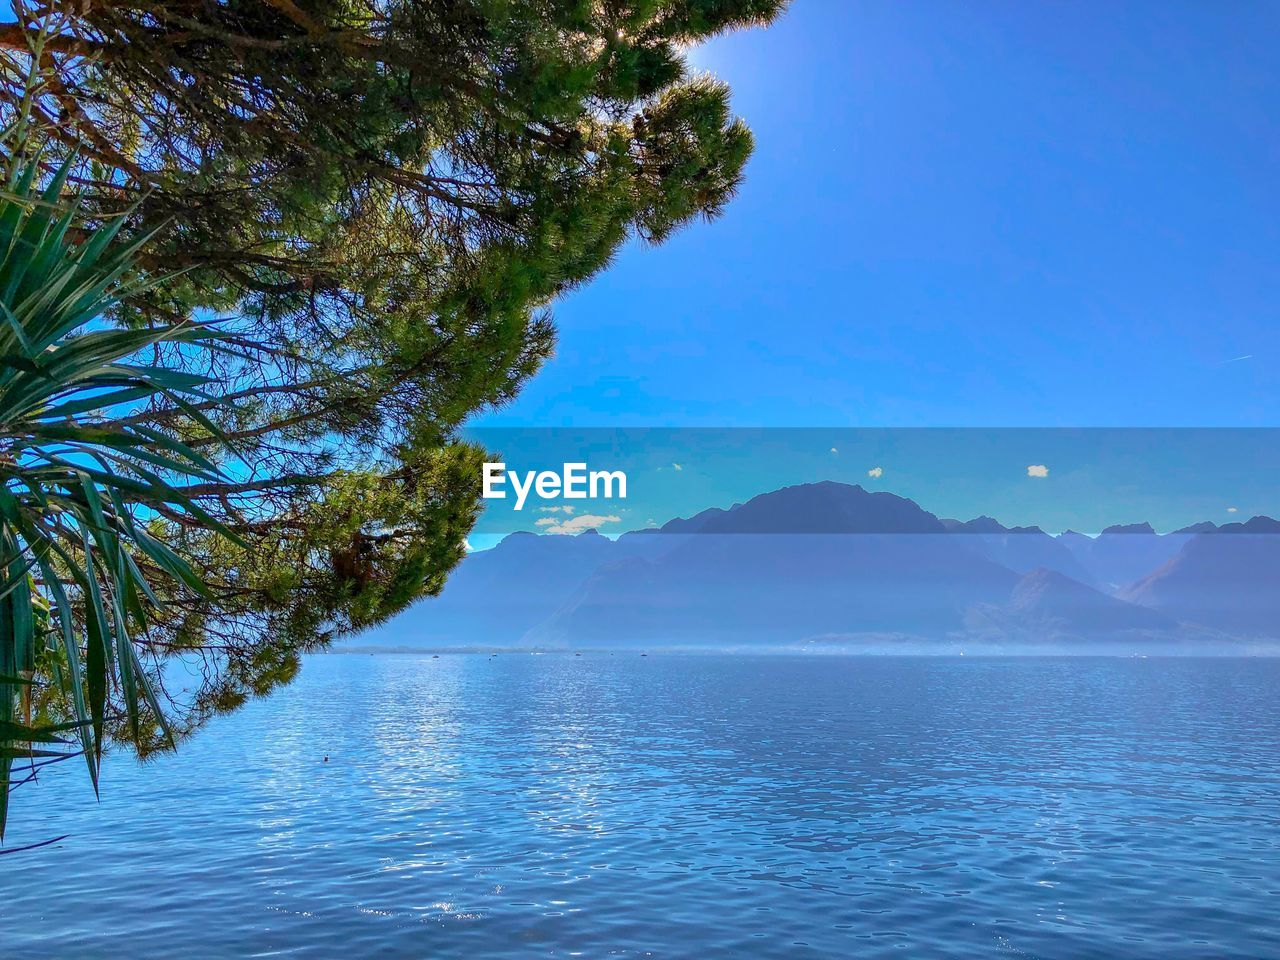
x=682 y=807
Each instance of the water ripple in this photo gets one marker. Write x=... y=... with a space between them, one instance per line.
x=611 y=806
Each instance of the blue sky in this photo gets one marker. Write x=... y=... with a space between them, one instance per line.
x=961 y=214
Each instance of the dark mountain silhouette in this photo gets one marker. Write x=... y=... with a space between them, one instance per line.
x=1227 y=579
x=1204 y=526
x=824 y=508
x=1256 y=525
x=694 y=524
x=1143 y=528
x=819 y=561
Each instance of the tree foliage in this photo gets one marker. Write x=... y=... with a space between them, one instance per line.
x=384 y=198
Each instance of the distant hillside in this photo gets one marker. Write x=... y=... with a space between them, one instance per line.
x=819 y=561
x=1045 y=605
x=496 y=595
x=1227 y=579
x=749 y=578
x=1123 y=553
x=1021 y=549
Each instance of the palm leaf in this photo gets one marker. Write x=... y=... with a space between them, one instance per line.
x=78 y=480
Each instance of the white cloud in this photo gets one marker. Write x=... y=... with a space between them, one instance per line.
x=1037 y=470
x=677 y=466
x=834 y=450
x=466 y=545
x=556 y=509
x=578 y=524
x=1232 y=510
x=876 y=473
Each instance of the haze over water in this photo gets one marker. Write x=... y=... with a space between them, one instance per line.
x=617 y=805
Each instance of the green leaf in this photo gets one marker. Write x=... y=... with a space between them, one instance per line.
x=21 y=733
x=79 y=481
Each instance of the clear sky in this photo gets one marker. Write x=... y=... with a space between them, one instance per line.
x=962 y=214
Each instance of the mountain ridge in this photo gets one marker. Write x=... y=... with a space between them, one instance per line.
x=822 y=560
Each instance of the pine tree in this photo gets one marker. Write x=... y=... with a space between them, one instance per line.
x=385 y=197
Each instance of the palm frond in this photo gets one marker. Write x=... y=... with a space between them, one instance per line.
x=78 y=481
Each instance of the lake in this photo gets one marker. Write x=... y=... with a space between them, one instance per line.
x=676 y=806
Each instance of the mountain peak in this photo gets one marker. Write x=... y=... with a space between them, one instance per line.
x=1047 y=593
x=825 y=507
x=1035 y=583
x=1204 y=526
x=1131 y=528
x=1254 y=525
x=695 y=523
x=983 y=524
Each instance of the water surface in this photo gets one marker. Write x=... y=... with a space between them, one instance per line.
x=623 y=806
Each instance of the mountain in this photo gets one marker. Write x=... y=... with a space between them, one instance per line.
x=771 y=571
x=1121 y=554
x=694 y=524
x=1048 y=597
x=1051 y=612
x=1204 y=526
x=834 y=564
x=751 y=589
x=1021 y=549
x=496 y=595
x=1227 y=579
x=826 y=507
